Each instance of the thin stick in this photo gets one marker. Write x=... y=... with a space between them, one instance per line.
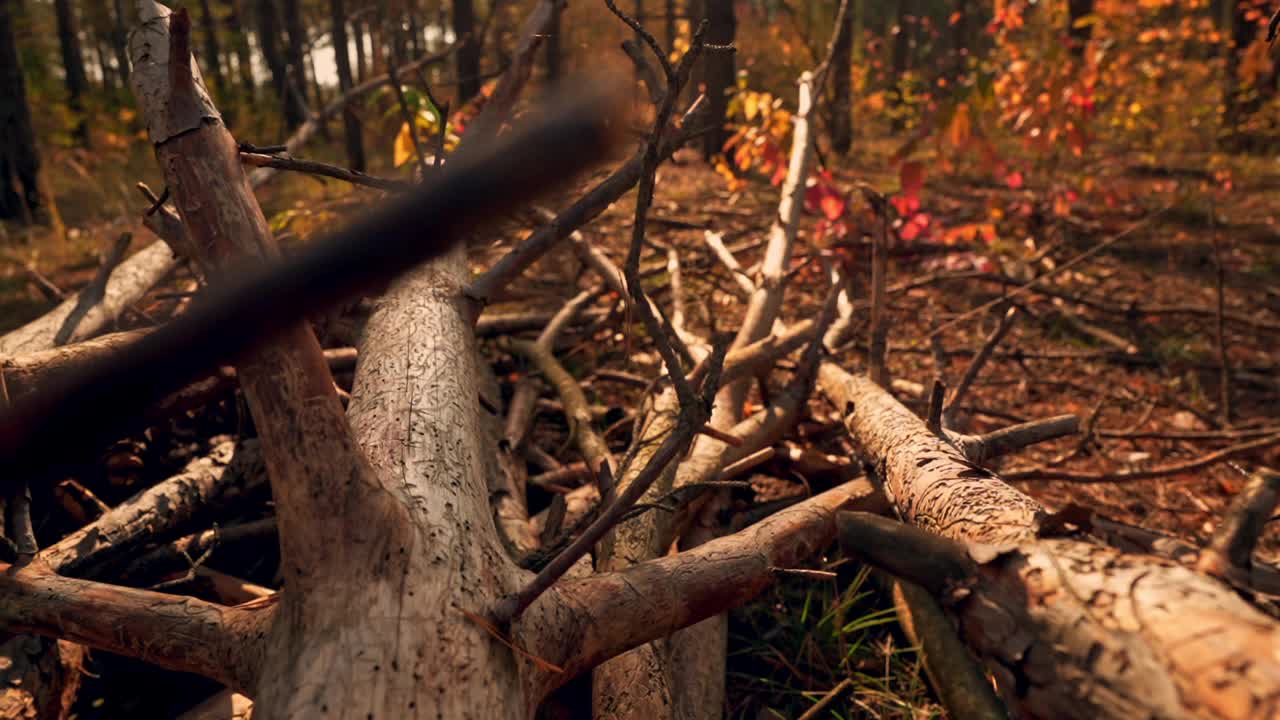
x=1055 y=271
x=95 y=291
x=1174 y=469
x=1233 y=542
x=311 y=167
x=979 y=360
x=879 y=268
x=934 y=419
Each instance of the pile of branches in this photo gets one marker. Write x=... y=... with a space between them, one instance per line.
x=429 y=555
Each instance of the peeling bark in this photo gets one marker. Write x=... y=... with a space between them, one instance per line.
x=1070 y=628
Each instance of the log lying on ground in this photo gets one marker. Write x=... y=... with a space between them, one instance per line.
x=43 y=675
x=127 y=284
x=1070 y=628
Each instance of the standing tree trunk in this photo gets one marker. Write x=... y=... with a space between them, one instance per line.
x=467 y=56
x=718 y=71
x=362 y=38
x=553 y=46
x=295 y=50
x=212 y=53
x=842 y=85
x=240 y=45
x=1078 y=31
x=351 y=123
x=19 y=159
x=269 y=41
x=1243 y=30
x=120 y=39
x=73 y=64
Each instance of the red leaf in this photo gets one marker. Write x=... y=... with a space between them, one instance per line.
x=905 y=205
x=1014 y=180
x=779 y=175
x=833 y=206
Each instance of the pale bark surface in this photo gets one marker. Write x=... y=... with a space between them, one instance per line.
x=128 y=283
x=1070 y=628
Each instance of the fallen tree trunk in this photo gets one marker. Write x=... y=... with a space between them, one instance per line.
x=126 y=285
x=1070 y=628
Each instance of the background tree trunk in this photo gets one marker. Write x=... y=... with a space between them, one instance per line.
x=269 y=34
x=1242 y=31
x=240 y=46
x=73 y=65
x=1078 y=32
x=350 y=122
x=295 y=50
x=718 y=71
x=362 y=52
x=19 y=159
x=842 y=86
x=467 y=57
x=120 y=39
x=212 y=53
x=553 y=45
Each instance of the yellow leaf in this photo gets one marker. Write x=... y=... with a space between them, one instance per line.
x=404 y=151
x=750 y=105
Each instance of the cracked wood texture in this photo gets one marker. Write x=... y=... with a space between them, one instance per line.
x=342 y=536
x=1070 y=628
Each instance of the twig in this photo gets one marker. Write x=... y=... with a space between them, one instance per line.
x=980 y=360
x=1055 y=271
x=499 y=105
x=740 y=466
x=982 y=448
x=95 y=291
x=644 y=70
x=879 y=268
x=831 y=696
x=21 y=531
x=311 y=167
x=715 y=241
x=1233 y=542
x=663 y=339
x=934 y=419
x=410 y=120
x=585 y=209
x=672 y=447
x=1162 y=471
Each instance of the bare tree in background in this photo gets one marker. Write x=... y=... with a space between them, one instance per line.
x=467 y=57
x=19 y=159
x=73 y=66
x=350 y=122
x=718 y=72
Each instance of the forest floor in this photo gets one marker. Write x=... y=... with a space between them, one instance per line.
x=1147 y=385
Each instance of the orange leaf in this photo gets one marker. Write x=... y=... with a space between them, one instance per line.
x=832 y=206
